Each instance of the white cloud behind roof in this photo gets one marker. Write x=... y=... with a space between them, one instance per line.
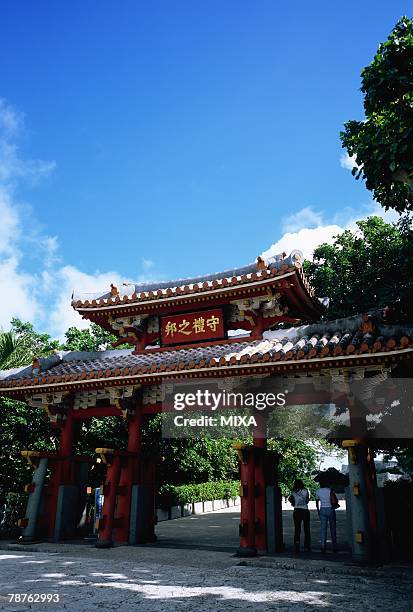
x=322 y=229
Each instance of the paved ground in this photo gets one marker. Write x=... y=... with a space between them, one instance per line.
x=84 y=584
x=173 y=575
x=219 y=531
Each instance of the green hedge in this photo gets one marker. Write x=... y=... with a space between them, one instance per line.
x=171 y=495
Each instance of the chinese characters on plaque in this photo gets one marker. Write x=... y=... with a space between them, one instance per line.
x=192 y=327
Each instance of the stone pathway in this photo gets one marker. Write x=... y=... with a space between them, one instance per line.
x=193 y=568
x=85 y=584
x=219 y=531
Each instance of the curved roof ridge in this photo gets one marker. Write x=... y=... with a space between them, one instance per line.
x=276 y=262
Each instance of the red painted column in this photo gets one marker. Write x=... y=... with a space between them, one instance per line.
x=260 y=449
x=243 y=527
x=129 y=476
x=251 y=499
x=66 y=448
x=247 y=524
x=51 y=492
x=147 y=472
x=108 y=512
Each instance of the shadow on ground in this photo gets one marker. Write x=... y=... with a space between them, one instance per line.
x=88 y=583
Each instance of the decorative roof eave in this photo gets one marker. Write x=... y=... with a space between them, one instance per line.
x=304 y=300
x=164 y=292
x=251 y=366
x=149 y=298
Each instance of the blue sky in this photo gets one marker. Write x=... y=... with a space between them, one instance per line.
x=166 y=139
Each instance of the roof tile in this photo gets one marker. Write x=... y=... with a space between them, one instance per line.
x=343 y=337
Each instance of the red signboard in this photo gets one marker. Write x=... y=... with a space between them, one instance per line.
x=192 y=327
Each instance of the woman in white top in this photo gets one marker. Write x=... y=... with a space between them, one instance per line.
x=327 y=515
x=299 y=498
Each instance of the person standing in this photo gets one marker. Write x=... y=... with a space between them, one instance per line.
x=299 y=498
x=326 y=501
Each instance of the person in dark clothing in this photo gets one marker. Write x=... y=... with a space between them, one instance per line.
x=299 y=498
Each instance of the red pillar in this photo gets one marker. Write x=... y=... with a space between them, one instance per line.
x=247 y=519
x=250 y=502
x=108 y=513
x=129 y=476
x=66 y=448
x=259 y=450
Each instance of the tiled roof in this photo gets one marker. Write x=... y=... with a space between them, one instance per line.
x=344 y=337
x=133 y=293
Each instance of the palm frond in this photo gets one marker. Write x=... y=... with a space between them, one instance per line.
x=13 y=352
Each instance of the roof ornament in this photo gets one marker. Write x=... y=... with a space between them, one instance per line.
x=367 y=324
x=296 y=257
x=114 y=291
x=261 y=263
x=36 y=366
x=276 y=258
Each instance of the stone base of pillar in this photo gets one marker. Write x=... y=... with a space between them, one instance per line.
x=104 y=544
x=274 y=524
x=142 y=515
x=28 y=540
x=66 y=513
x=246 y=551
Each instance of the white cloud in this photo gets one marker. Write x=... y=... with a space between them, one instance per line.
x=307 y=217
x=9 y=225
x=50 y=247
x=307 y=239
x=348 y=162
x=147 y=264
x=368 y=210
x=13 y=168
x=17 y=288
x=44 y=296
x=17 y=291
x=11 y=120
x=67 y=279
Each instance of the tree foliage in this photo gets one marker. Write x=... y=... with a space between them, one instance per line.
x=94 y=338
x=363 y=270
x=298 y=459
x=366 y=269
x=21 y=426
x=13 y=353
x=191 y=460
x=404 y=457
x=382 y=144
x=30 y=342
x=25 y=427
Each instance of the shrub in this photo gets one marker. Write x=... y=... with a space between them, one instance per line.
x=176 y=495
